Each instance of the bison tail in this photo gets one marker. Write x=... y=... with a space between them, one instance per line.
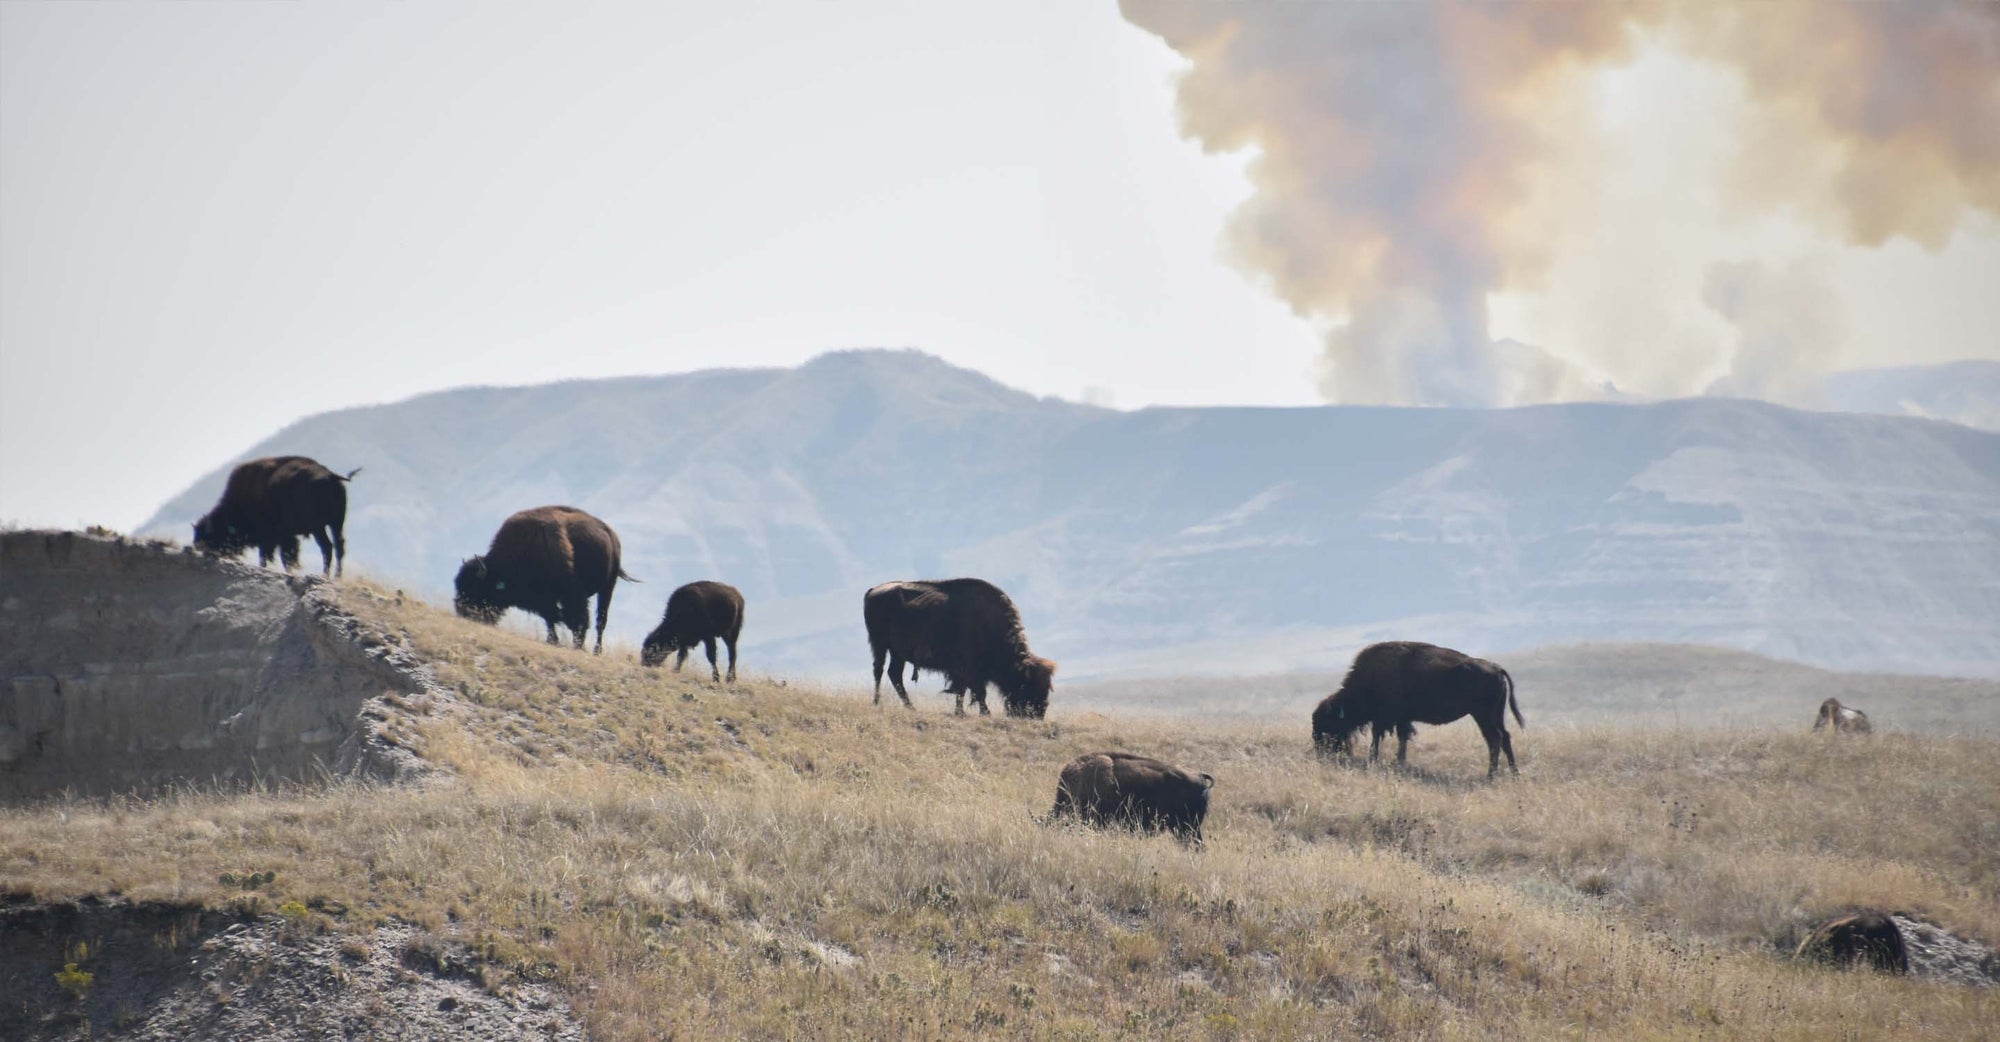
x=350 y=474
x=1511 y=703
x=627 y=578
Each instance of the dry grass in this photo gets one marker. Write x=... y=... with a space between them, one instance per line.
x=698 y=861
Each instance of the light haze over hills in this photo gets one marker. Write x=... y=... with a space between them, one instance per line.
x=1202 y=540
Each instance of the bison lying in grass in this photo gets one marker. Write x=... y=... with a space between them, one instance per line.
x=1135 y=791
x=697 y=613
x=549 y=561
x=1842 y=719
x=1866 y=937
x=964 y=628
x=269 y=503
x=1395 y=685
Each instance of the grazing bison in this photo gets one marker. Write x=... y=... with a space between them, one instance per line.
x=1841 y=718
x=550 y=561
x=1869 y=937
x=1397 y=684
x=964 y=628
x=269 y=503
x=697 y=614
x=1136 y=791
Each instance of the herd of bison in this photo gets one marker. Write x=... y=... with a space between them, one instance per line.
x=550 y=561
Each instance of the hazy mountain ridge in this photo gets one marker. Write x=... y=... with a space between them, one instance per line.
x=1206 y=539
x=1966 y=392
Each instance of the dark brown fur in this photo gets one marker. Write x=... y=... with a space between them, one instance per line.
x=549 y=561
x=1136 y=791
x=697 y=613
x=1842 y=718
x=1868 y=936
x=269 y=503
x=964 y=628
x=1395 y=685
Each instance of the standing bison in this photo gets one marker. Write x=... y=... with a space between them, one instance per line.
x=1397 y=684
x=697 y=614
x=964 y=628
x=1136 y=791
x=269 y=503
x=1841 y=718
x=549 y=561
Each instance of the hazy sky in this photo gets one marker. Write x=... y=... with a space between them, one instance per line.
x=217 y=218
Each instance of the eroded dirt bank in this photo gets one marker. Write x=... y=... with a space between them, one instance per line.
x=128 y=666
x=159 y=970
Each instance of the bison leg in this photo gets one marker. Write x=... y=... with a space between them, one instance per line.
x=1497 y=741
x=551 y=620
x=325 y=551
x=603 y=613
x=708 y=645
x=896 y=678
x=732 y=659
x=680 y=657
x=979 y=696
x=1375 y=749
x=1404 y=732
x=289 y=552
x=339 y=552
x=880 y=654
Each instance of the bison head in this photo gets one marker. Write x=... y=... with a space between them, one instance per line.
x=214 y=535
x=480 y=596
x=1027 y=691
x=1334 y=728
x=657 y=647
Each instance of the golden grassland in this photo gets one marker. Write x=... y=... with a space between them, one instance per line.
x=696 y=860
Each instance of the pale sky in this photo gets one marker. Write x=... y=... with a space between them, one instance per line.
x=216 y=218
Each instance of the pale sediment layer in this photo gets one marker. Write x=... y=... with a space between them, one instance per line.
x=128 y=666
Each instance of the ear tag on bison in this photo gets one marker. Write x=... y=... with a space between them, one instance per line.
x=232 y=529
x=500 y=585
x=1343 y=712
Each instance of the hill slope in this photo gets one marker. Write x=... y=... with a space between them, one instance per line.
x=682 y=859
x=1206 y=540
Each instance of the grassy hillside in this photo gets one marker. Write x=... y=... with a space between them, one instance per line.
x=692 y=860
x=1611 y=684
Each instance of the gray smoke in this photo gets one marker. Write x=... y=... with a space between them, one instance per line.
x=1396 y=146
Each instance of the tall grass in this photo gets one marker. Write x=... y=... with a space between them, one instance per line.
x=695 y=860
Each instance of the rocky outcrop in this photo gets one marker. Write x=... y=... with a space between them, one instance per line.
x=107 y=968
x=128 y=666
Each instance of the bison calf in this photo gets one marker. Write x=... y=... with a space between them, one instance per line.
x=697 y=613
x=1136 y=791
x=1865 y=937
x=550 y=561
x=1395 y=685
x=269 y=503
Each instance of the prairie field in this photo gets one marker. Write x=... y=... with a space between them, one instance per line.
x=770 y=859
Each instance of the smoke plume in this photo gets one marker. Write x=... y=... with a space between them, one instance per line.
x=1399 y=147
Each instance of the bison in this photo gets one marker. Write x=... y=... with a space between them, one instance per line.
x=1136 y=791
x=1841 y=718
x=549 y=561
x=964 y=628
x=1394 y=685
x=697 y=614
x=269 y=503
x=1869 y=937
